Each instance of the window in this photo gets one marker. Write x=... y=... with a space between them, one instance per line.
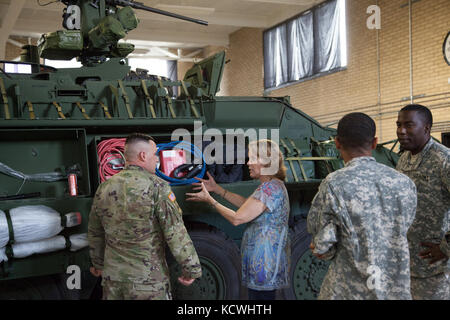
x=61 y=64
x=307 y=45
x=160 y=67
x=17 y=68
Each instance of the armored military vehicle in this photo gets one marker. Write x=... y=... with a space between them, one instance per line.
x=53 y=121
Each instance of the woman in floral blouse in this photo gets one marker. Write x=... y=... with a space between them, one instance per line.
x=265 y=247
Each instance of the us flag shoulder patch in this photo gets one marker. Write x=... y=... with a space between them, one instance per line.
x=171 y=197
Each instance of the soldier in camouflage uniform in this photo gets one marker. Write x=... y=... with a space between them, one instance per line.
x=427 y=163
x=359 y=219
x=134 y=213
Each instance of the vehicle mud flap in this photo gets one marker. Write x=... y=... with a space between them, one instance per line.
x=221 y=268
x=307 y=272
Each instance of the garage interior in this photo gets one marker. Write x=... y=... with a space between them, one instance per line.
x=387 y=68
x=380 y=56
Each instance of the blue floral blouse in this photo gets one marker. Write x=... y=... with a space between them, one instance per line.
x=265 y=247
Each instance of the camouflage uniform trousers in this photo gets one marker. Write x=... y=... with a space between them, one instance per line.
x=432 y=288
x=118 y=290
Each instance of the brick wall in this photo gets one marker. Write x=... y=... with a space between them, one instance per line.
x=329 y=97
x=13 y=51
x=243 y=74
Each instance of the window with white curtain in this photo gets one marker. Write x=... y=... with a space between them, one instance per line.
x=307 y=45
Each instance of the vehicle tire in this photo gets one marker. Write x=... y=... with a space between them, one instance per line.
x=221 y=268
x=88 y=286
x=307 y=272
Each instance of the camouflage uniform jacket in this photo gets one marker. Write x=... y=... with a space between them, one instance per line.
x=359 y=219
x=133 y=213
x=430 y=171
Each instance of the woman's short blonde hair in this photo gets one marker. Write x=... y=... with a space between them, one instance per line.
x=270 y=155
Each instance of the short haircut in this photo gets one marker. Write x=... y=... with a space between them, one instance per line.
x=356 y=130
x=423 y=111
x=138 y=137
x=131 y=144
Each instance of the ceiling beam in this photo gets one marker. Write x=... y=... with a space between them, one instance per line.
x=10 y=18
x=16 y=43
x=185 y=10
x=165 y=52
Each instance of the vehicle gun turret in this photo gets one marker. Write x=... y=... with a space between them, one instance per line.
x=93 y=30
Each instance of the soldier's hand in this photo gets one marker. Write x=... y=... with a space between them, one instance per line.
x=433 y=252
x=185 y=281
x=95 y=272
x=312 y=247
x=210 y=184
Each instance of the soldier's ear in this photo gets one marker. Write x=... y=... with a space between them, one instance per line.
x=374 y=143
x=427 y=129
x=142 y=156
x=337 y=143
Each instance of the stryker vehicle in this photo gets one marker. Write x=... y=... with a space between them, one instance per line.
x=53 y=120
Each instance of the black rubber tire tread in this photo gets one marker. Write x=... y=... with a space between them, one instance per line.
x=300 y=240
x=215 y=245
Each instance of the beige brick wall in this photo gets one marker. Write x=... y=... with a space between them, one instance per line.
x=13 y=51
x=328 y=98
x=243 y=75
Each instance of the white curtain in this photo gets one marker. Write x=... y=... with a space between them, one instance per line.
x=306 y=45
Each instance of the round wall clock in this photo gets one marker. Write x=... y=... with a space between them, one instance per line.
x=446 y=48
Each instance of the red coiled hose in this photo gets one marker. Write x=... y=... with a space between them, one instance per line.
x=107 y=151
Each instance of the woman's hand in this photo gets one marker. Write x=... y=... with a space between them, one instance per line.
x=202 y=196
x=210 y=184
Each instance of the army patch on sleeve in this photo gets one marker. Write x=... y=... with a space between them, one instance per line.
x=171 y=197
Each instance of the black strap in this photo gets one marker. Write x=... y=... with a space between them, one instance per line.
x=9 y=251
x=63 y=220
x=10 y=227
x=68 y=243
